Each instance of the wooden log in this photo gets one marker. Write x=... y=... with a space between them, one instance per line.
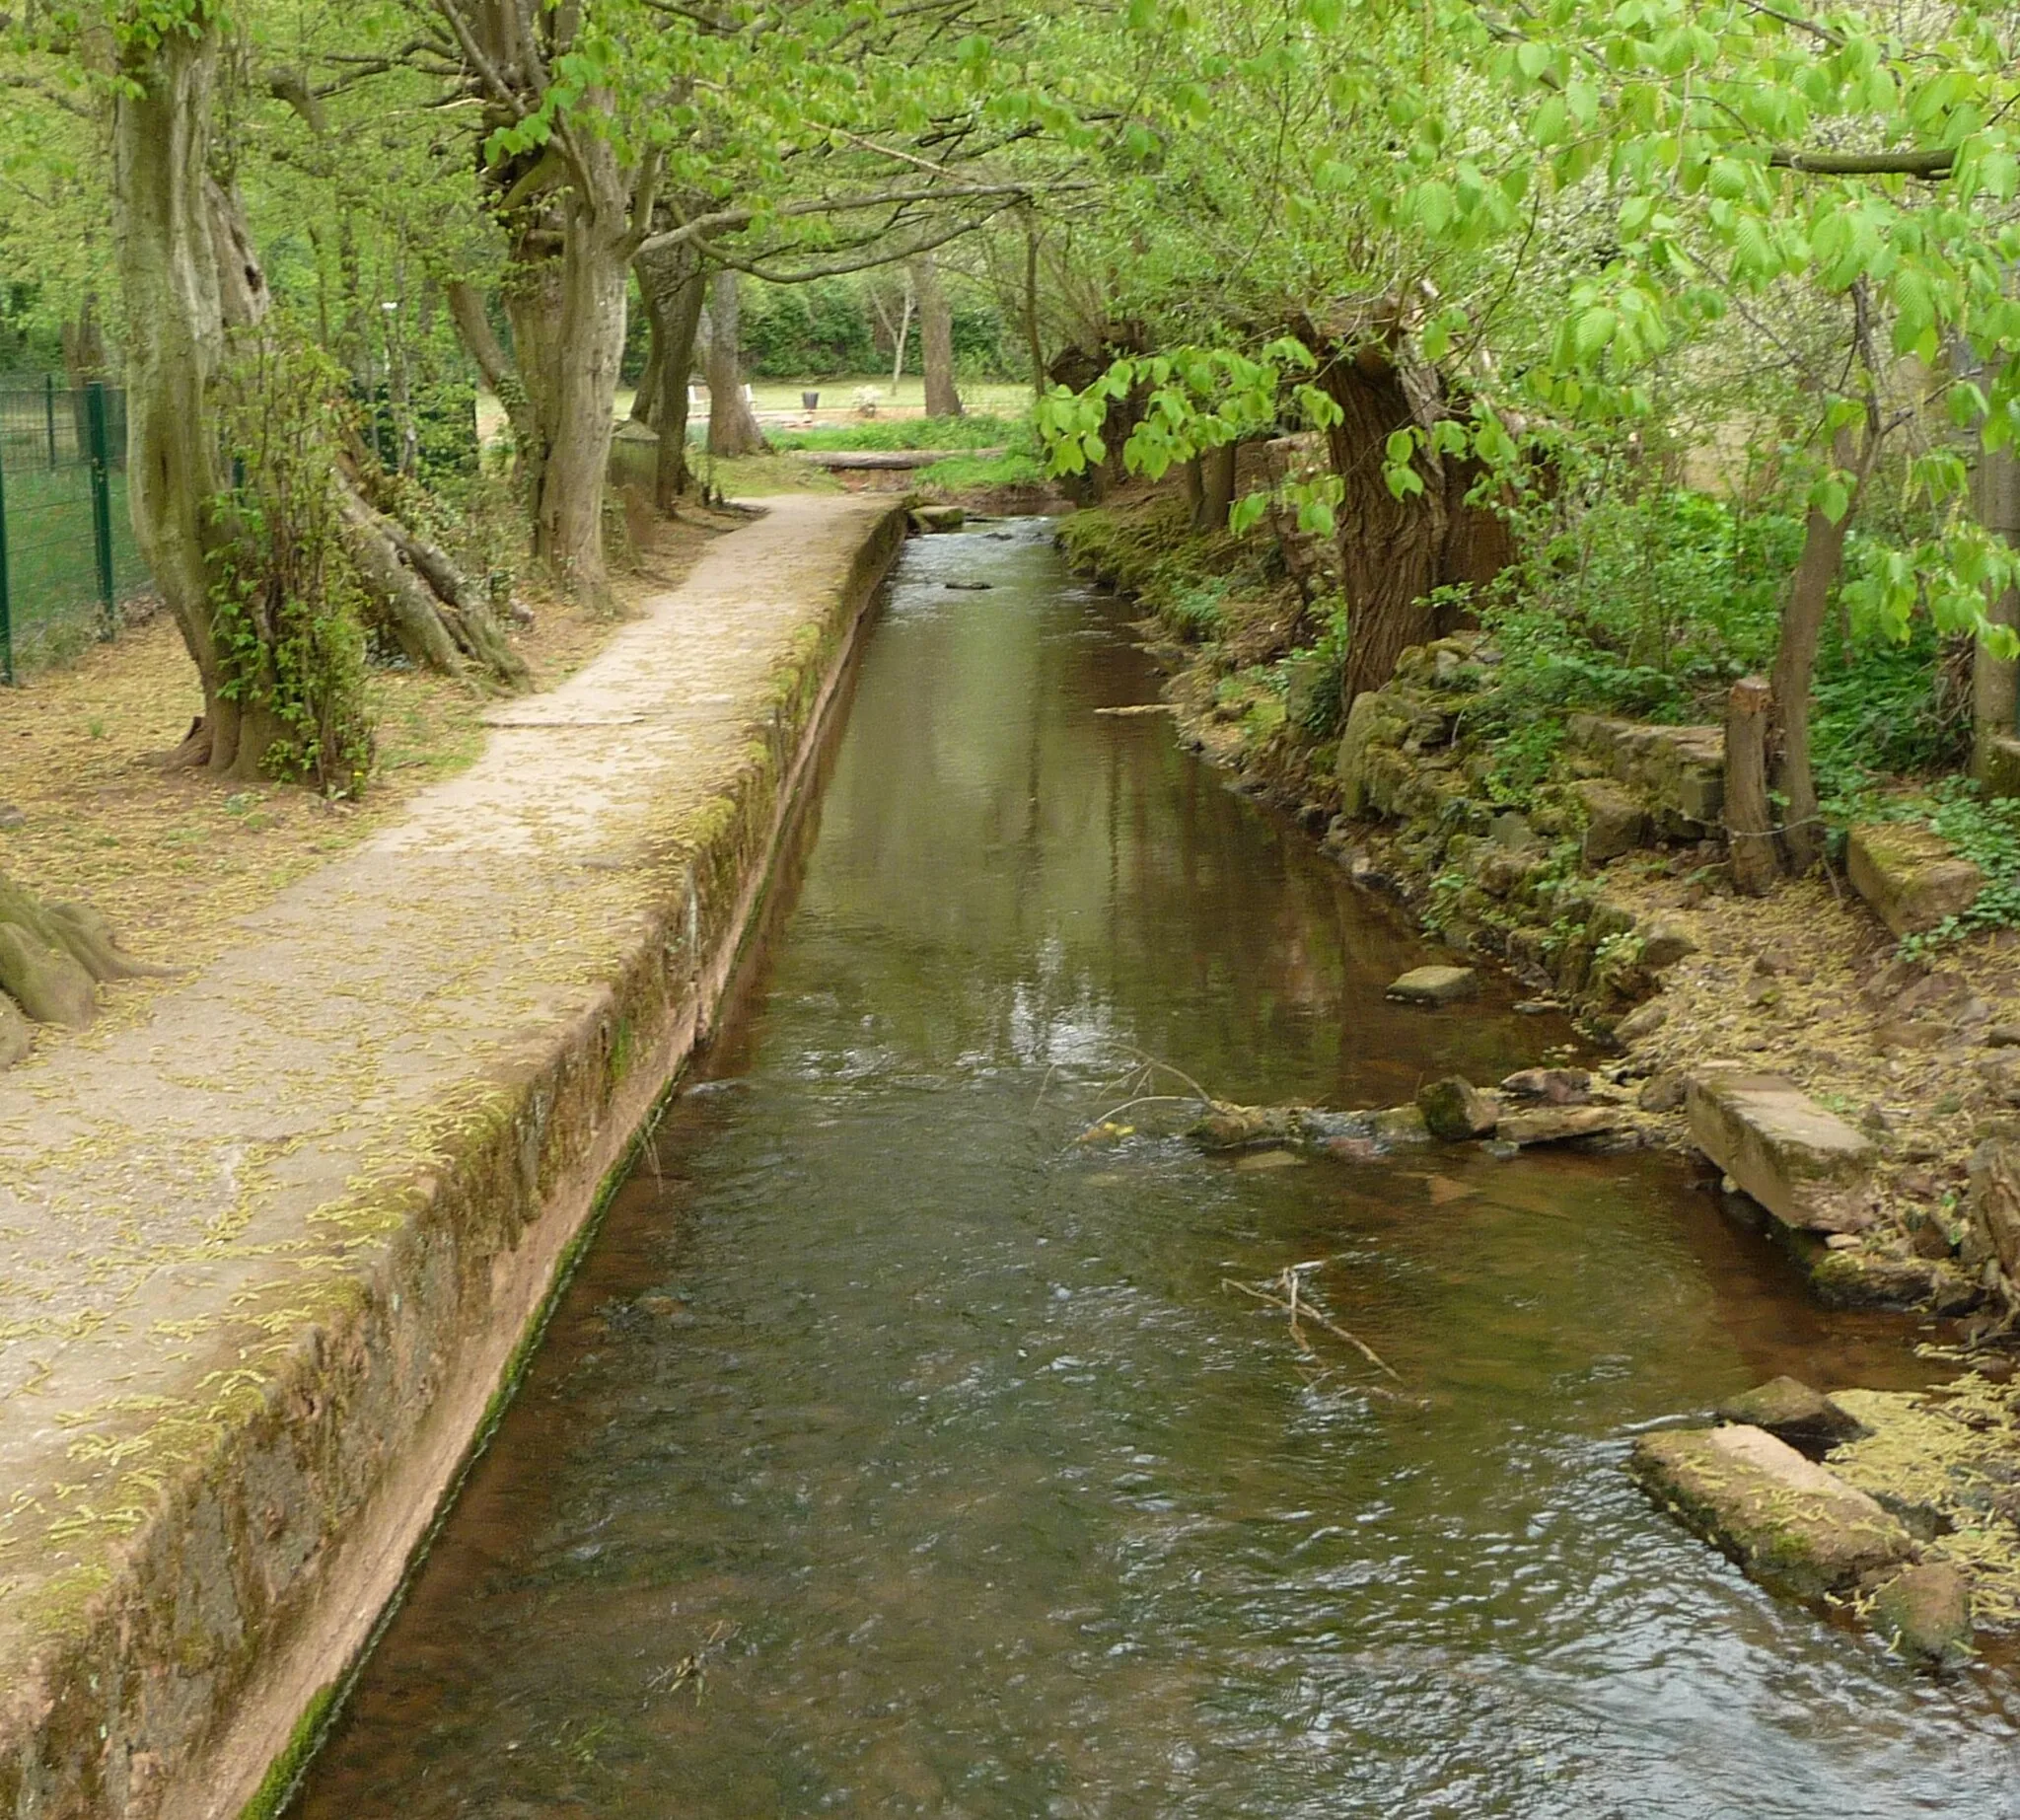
x=1749 y=822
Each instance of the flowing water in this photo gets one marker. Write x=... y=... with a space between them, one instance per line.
x=895 y=1453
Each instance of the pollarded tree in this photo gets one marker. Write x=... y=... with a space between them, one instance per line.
x=732 y=423
x=1243 y=236
x=936 y=337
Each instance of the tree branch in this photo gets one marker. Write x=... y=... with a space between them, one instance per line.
x=1931 y=164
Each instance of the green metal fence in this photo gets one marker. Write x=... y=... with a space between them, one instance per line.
x=68 y=564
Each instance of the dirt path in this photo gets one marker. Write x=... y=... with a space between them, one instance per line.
x=183 y=1197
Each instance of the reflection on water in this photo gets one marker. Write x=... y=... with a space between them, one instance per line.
x=895 y=1454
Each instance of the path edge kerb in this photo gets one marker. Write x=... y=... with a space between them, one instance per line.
x=368 y=1427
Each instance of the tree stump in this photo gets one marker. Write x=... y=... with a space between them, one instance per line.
x=1749 y=822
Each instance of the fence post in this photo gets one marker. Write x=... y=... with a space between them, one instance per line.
x=101 y=503
x=5 y=606
x=50 y=413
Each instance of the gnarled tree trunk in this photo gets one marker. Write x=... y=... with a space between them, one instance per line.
x=1393 y=552
x=175 y=336
x=732 y=423
x=51 y=957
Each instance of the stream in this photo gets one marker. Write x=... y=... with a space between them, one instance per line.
x=894 y=1453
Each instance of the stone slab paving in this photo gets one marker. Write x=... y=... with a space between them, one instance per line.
x=177 y=1195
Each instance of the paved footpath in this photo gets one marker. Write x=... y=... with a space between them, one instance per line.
x=207 y=1218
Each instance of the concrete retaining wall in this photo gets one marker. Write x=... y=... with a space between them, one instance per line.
x=184 y=1675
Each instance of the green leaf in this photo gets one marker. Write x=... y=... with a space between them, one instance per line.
x=1595 y=329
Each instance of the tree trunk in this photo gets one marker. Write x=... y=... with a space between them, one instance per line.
x=645 y=396
x=1388 y=547
x=1393 y=552
x=1216 y=487
x=936 y=337
x=473 y=328
x=1034 y=345
x=52 y=958
x=1994 y=680
x=1795 y=665
x=674 y=285
x=168 y=278
x=1749 y=822
x=433 y=612
x=589 y=347
x=897 y=342
x=83 y=345
x=732 y=423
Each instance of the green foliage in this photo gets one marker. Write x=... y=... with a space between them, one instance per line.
x=1196 y=612
x=1885 y=709
x=808 y=331
x=284 y=604
x=1523 y=753
x=1315 y=678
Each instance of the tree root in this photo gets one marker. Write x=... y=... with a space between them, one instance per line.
x=52 y=958
x=433 y=614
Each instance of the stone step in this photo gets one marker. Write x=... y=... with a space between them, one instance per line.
x=1801 y=1162
x=1910 y=875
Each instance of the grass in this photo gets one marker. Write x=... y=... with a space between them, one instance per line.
x=991 y=397
x=975 y=431
x=1015 y=468
x=996 y=400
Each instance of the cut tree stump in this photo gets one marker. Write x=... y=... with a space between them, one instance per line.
x=1749 y=824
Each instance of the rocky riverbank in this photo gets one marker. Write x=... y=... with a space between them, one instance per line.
x=1854 y=1095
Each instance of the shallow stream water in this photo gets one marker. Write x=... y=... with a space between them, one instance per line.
x=894 y=1453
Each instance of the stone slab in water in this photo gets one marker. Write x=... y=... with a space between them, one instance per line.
x=1801 y=1162
x=1553 y=1125
x=1911 y=877
x=1436 y=986
x=1788 y=1523
x=1789 y=1410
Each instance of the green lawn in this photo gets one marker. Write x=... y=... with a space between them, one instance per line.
x=974 y=431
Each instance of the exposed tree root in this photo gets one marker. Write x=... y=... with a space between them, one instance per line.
x=51 y=957
x=434 y=615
